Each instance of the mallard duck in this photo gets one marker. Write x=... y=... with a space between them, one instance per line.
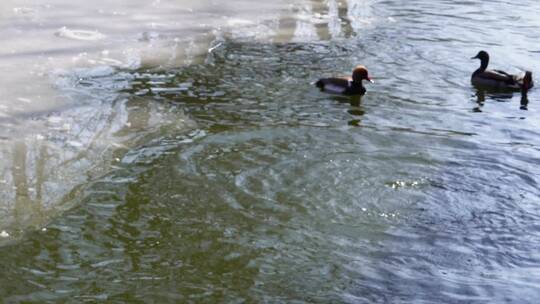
x=496 y=78
x=346 y=85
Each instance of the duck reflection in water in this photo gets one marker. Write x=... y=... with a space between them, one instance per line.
x=355 y=109
x=502 y=95
x=498 y=96
x=354 y=101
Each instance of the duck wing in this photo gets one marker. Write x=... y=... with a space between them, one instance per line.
x=503 y=73
x=496 y=75
x=335 y=85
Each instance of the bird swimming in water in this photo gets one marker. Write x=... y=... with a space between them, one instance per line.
x=346 y=85
x=498 y=79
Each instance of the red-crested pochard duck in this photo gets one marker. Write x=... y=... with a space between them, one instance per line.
x=346 y=85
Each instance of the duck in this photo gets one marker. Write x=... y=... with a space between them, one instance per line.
x=498 y=79
x=346 y=85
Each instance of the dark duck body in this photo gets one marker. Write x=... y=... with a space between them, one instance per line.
x=498 y=79
x=346 y=85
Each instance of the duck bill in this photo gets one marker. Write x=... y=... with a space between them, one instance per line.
x=475 y=57
x=370 y=80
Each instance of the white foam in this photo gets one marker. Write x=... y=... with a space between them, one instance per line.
x=79 y=34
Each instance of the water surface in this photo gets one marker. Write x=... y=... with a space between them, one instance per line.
x=230 y=178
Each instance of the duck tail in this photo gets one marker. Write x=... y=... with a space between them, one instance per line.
x=527 y=81
x=319 y=84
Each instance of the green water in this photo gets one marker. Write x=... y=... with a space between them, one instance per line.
x=235 y=180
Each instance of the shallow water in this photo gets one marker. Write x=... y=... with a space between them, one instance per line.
x=227 y=177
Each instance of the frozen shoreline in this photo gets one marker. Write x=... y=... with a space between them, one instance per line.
x=61 y=35
x=58 y=132
x=59 y=123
